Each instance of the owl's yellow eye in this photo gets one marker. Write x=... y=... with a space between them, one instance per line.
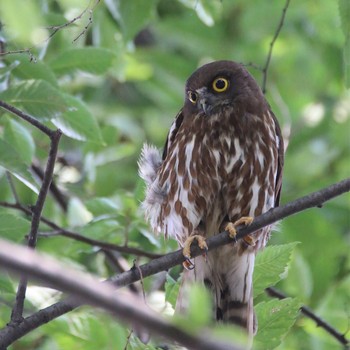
x=220 y=84
x=192 y=96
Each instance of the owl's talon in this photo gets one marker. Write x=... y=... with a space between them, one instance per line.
x=188 y=264
x=187 y=250
x=231 y=228
x=249 y=240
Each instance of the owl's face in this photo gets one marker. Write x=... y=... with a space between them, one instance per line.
x=216 y=85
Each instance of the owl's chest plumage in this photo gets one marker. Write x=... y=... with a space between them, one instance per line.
x=213 y=172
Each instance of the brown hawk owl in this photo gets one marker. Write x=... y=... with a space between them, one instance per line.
x=221 y=166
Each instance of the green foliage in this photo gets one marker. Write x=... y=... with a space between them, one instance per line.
x=270 y=265
x=90 y=60
x=112 y=79
x=11 y=160
x=36 y=97
x=275 y=318
x=171 y=290
x=13 y=227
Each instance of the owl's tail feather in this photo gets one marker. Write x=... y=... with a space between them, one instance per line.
x=235 y=300
x=239 y=313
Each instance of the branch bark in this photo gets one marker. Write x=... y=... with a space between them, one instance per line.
x=316 y=199
x=88 y=289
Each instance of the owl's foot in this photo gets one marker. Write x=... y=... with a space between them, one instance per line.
x=186 y=251
x=231 y=228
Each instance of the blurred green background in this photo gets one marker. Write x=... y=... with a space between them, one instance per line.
x=113 y=79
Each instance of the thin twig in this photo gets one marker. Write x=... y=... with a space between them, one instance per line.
x=128 y=339
x=27 y=118
x=78 y=237
x=137 y=266
x=273 y=292
x=56 y=29
x=10 y=334
x=272 y=43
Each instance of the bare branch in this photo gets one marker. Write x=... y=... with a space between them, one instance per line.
x=27 y=118
x=273 y=292
x=316 y=199
x=272 y=43
x=17 y=311
x=123 y=304
x=55 y=191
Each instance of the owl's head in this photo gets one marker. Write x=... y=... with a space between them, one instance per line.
x=219 y=84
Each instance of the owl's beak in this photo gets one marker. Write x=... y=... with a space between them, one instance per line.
x=203 y=104
x=203 y=100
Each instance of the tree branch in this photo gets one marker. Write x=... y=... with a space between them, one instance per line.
x=273 y=292
x=316 y=199
x=122 y=304
x=272 y=43
x=17 y=311
x=81 y=238
x=55 y=191
x=27 y=118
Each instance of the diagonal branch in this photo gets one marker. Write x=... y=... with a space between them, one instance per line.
x=316 y=199
x=27 y=118
x=273 y=292
x=85 y=287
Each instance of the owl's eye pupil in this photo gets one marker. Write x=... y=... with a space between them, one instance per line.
x=192 y=96
x=220 y=84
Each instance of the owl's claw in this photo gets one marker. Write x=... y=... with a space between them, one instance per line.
x=188 y=264
x=231 y=228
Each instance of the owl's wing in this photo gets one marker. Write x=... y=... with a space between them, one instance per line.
x=175 y=126
x=280 y=162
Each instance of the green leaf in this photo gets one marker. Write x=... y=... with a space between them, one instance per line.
x=275 y=318
x=11 y=160
x=100 y=229
x=200 y=310
x=36 y=97
x=270 y=264
x=77 y=214
x=102 y=206
x=88 y=59
x=171 y=290
x=133 y=15
x=77 y=122
x=21 y=140
x=37 y=70
x=13 y=227
x=6 y=285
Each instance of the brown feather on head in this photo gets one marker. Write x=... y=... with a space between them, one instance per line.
x=218 y=84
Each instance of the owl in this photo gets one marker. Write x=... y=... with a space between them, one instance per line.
x=221 y=166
